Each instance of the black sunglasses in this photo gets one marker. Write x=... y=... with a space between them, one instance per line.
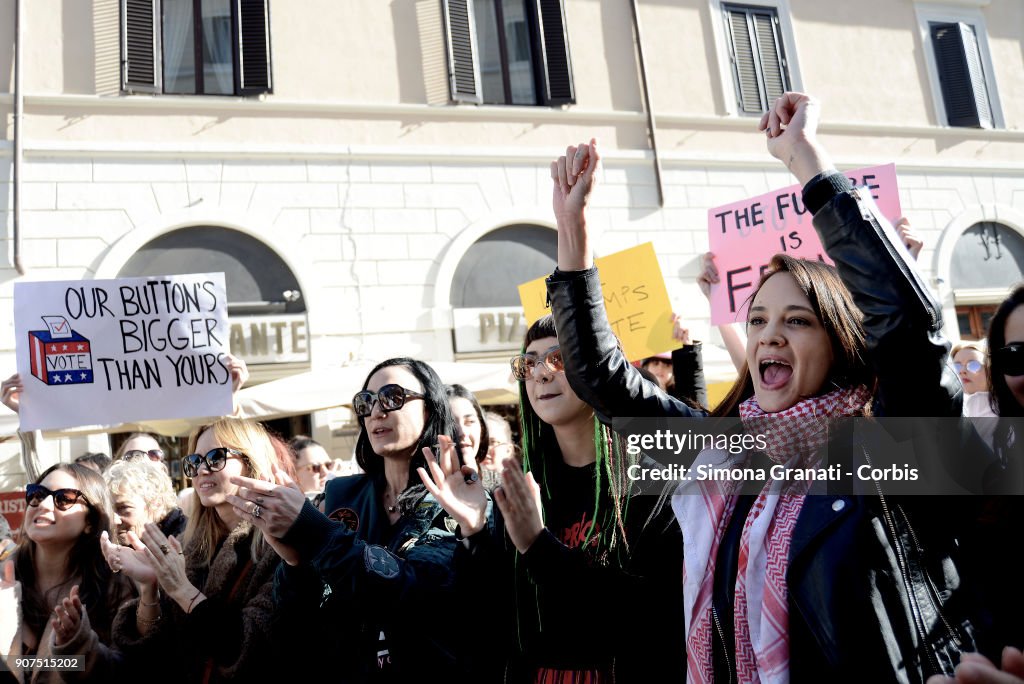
x=391 y=398
x=523 y=366
x=215 y=459
x=1009 y=360
x=152 y=454
x=63 y=499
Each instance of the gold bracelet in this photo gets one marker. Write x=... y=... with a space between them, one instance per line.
x=151 y=605
x=147 y=621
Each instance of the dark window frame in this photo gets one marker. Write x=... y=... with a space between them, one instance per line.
x=549 y=51
x=765 y=98
x=967 y=100
x=141 y=26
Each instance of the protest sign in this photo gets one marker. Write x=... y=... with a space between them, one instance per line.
x=634 y=296
x=745 y=235
x=12 y=507
x=103 y=352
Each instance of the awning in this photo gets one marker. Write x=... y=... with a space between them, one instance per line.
x=302 y=393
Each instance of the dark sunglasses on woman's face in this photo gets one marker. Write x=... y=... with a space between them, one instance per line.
x=523 y=366
x=1009 y=360
x=152 y=454
x=391 y=398
x=63 y=499
x=215 y=459
x=972 y=366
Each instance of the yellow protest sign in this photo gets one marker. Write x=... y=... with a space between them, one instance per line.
x=634 y=296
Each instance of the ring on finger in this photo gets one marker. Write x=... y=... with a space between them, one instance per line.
x=256 y=511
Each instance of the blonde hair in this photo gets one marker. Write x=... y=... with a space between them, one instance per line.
x=980 y=346
x=204 y=526
x=147 y=480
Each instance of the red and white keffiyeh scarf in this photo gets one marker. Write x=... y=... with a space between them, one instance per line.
x=761 y=613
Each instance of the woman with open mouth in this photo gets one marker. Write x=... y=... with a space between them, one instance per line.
x=68 y=595
x=780 y=585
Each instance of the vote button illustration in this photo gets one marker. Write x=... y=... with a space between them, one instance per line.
x=59 y=355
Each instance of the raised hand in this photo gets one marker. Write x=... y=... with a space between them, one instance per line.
x=680 y=333
x=132 y=560
x=168 y=561
x=10 y=392
x=708 y=274
x=518 y=497
x=457 y=488
x=67 y=617
x=239 y=372
x=573 y=178
x=273 y=507
x=912 y=240
x=792 y=129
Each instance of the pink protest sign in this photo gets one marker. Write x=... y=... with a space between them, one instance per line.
x=745 y=235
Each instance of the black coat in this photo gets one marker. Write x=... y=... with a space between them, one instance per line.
x=871 y=579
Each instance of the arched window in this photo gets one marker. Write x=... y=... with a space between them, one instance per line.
x=266 y=309
x=485 y=288
x=988 y=259
x=257 y=279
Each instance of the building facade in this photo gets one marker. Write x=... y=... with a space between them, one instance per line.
x=373 y=177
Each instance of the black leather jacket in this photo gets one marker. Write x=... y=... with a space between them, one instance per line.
x=871 y=580
x=365 y=577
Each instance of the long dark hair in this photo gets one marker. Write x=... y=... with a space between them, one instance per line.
x=540 y=452
x=97 y=586
x=839 y=316
x=439 y=420
x=1001 y=399
x=485 y=436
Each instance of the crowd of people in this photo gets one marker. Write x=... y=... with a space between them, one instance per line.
x=469 y=549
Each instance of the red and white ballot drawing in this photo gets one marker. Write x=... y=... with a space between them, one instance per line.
x=59 y=355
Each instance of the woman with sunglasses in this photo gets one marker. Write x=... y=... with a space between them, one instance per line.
x=970 y=362
x=68 y=594
x=360 y=581
x=208 y=598
x=780 y=585
x=582 y=555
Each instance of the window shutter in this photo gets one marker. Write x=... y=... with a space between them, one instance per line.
x=463 y=70
x=556 y=65
x=961 y=75
x=253 y=72
x=140 y=47
x=744 y=65
x=769 y=45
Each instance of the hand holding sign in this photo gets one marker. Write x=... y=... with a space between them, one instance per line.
x=573 y=177
x=913 y=242
x=10 y=392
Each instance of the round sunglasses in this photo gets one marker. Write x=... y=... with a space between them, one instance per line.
x=63 y=498
x=215 y=460
x=390 y=397
x=972 y=366
x=524 y=365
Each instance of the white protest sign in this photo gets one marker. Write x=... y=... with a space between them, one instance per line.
x=103 y=352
